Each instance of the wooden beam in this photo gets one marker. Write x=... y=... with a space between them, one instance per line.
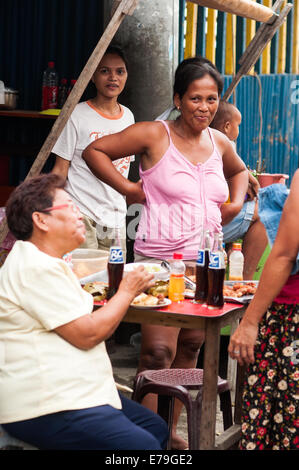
x=245 y=8
x=121 y=9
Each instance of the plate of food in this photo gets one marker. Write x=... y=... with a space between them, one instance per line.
x=239 y=291
x=156 y=269
x=97 y=289
x=148 y=301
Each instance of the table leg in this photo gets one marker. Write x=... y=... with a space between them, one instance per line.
x=210 y=379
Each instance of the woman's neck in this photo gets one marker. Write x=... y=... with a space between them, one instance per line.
x=110 y=107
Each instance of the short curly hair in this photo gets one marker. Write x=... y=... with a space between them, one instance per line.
x=35 y=194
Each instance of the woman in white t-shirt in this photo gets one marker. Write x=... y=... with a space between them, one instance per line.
x=56 y=384
x=103 y=208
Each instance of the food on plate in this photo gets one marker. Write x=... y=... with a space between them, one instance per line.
x=239 y=289
x=97 y=289
x=148 y=300
x=160 y=287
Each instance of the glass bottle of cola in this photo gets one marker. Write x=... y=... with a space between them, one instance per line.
x=202 y=264
x=216 y=272
x=115 y=265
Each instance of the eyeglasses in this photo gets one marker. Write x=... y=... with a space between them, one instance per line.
x=62 y=206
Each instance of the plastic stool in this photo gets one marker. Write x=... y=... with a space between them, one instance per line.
x=169 y=384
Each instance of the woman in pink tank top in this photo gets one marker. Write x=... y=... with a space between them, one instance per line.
x=269 y=343
x=187 y=171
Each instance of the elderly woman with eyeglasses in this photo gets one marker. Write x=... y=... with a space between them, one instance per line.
x=56 y=384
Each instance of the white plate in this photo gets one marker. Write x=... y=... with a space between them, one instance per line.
x=245 y=298
x=153 y=268
x=151 y=307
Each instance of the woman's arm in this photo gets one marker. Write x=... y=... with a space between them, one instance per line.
x=236 y=175
x=61 y=167
x=99 y=155
x=275 y=274
x=90 y=330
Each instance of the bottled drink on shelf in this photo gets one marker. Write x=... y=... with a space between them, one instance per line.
x=73 y=81
x=62 y=93
x=50 y=87
x=115 y=265
x=236 y=263
x=216 y=272
x=202 y=264
x=176 y=287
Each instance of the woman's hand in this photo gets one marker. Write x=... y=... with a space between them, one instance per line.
x=135 y=193
x=137 y=281
x=229 y=211
x=241 y=346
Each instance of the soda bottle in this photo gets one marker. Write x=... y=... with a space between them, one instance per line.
x=50 y=87
x=63 y=93
x=216 y=272
x=202 y=264
x=73 y=81
x=115 y=265
x=176 y=287
x=236 y=263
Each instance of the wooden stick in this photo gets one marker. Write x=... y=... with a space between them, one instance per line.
x=245 y=8
x=251 y=58
x=125 y=7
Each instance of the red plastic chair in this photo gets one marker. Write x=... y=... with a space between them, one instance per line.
x=169 y=384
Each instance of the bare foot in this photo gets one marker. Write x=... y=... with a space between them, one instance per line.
x=178 y=443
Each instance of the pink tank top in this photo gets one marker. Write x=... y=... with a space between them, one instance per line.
x=180 y=198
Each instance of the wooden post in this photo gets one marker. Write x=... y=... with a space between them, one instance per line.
x=121 y=8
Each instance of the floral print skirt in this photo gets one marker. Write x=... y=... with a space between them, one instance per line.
x=270 y=403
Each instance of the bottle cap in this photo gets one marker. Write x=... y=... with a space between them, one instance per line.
x=51 y=65
x=237 y=246
x=177 y=256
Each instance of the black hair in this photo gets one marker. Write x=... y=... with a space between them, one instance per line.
x=224 y=113
x=33 y=195
x=192 y=69
x=117 y=50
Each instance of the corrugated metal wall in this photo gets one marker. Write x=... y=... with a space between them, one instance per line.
x=268 y=97
x=34 y=32
x=270 y=121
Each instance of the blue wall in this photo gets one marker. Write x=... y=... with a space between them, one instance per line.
x=279 y=97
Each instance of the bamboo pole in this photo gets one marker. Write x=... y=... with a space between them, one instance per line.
x=211 y=35
x=266 y=55
x=245 y=8
x=191 y=20
x=250 y=33
x=295 y=58
x=282 y=45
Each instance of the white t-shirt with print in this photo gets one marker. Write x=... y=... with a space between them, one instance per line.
x=40 y=372
x=95 y=199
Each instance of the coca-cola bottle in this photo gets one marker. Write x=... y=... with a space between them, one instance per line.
x=72 y=84
x=202 y=264
x=216 y=272
x=115 y=265
x=50 y=87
